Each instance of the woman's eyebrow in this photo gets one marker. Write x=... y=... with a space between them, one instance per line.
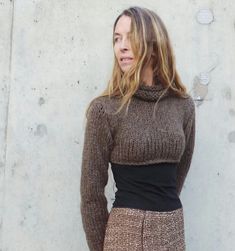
x=116 y=33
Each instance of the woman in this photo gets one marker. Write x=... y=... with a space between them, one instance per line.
x=149 y=144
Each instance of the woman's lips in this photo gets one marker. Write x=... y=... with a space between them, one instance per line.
x=126 y=60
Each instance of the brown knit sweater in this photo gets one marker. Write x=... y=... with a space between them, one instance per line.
x=145 y=135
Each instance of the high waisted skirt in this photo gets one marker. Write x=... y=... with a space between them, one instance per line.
x=130 y=229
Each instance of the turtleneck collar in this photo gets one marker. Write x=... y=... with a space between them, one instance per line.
x=151 y=93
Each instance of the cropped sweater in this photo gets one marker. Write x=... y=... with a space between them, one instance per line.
x=146 y=134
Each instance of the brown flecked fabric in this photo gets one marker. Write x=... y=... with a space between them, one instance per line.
x=151 y=132
x=131 y=229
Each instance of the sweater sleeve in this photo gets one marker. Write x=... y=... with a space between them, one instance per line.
x=185 y=161
x=94 y=176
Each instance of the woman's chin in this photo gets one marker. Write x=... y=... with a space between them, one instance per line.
x=125 y=68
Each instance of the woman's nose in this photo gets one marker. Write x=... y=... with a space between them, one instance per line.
x=124 y=44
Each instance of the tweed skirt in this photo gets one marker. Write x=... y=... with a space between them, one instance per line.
x=130 y=229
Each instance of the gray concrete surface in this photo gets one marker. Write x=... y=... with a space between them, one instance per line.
x=55 y=56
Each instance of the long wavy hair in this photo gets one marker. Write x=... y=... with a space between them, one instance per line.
x=149 y=39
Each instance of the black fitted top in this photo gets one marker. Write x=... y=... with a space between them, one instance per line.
x=149 y=187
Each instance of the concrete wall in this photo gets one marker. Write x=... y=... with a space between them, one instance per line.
x=55 y=56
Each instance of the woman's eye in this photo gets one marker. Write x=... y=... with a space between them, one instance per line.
x=115 y=39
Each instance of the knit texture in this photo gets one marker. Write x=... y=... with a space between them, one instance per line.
x=144 y=135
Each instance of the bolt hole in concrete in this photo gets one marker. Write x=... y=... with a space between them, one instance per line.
x=41 y=130
x=231 y=137
x=205 y=16
x=201 y=82
x=41 y=101
x=232 y=112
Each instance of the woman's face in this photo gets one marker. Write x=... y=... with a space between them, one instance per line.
x=122 y=46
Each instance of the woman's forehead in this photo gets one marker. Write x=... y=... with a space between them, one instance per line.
x=123 y=25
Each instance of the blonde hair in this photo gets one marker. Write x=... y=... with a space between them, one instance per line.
x=149 y=40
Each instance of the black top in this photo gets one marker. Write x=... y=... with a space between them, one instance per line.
x=149 y=187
